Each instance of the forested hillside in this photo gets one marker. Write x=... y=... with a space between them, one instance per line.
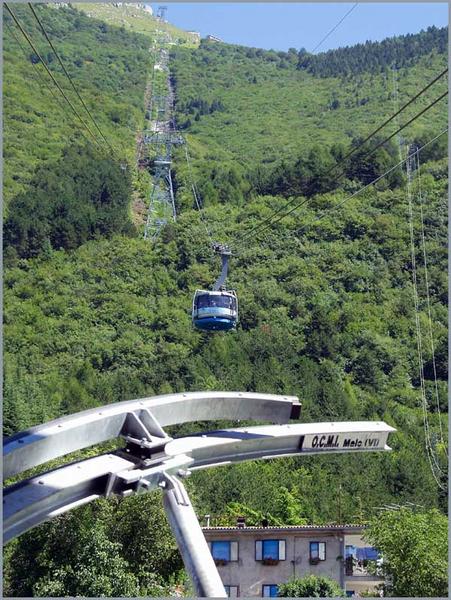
x=109 y=67
x=326 y=299
x=247 y=110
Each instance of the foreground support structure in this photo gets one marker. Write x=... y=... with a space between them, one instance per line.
x=151 y=459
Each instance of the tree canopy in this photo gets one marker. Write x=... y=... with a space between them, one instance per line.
x=414 y=547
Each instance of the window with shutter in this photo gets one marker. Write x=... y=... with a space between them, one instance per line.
x=281 y=549
x=258 y=550
x=269 y=591
x=232 y=591
x=317 y=551
x=233 y=550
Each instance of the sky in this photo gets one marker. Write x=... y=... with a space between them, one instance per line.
x=286 y=25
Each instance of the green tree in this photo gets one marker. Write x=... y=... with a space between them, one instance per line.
x=310 y=586
x=414 y=546
x=70 y=556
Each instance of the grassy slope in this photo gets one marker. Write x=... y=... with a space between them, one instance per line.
x=137 y=20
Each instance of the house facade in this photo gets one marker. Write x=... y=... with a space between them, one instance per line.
x=253 y=561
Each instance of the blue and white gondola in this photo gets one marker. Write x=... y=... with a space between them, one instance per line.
x=215 y=310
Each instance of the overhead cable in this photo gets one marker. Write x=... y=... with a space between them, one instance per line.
x=428 y=299
x=196 y=193
x=356 y=148
x=35 y=50
x=334 y=28
x=268 y=221
x=36 y=72
x=360 y=190
x=69 y=77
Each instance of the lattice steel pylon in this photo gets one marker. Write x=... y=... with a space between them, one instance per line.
x=161 y=138
x=162 y=201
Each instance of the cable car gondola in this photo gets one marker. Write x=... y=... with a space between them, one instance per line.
x=216 y=310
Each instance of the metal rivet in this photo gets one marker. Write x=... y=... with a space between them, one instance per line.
x=20 y=441
x=41 y=482
x=59 y=425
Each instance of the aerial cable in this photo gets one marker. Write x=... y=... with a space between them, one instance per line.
x=430 y=453
x=362 y=189
x=428 y=300
x=396 y=107
x=269 y=219
x=196 y=195
x=69 y=77
x=400 y=129
x=359 y=191
x=334 y=28
x=393 y=116
x=342 y=160
x=36 y=72
x=26 y=36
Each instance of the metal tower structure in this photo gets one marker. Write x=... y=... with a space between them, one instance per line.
x=162 y=201
x=159 y=138
x=151 y=459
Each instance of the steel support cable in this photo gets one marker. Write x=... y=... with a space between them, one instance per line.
x=400 y=129
x=428 y=300
x=371 y=183
x=70 y=78
x=334 y=28
x=40 y=79
x=362 y=189
x=194 y=189
x=35 y=50
x=36 y=72
x=418 y=329
x=354 y=150
x=401 y=162
x=260 y=228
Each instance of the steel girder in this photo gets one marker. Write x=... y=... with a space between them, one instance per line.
x=143 y=467
x=152 y=459
x=138 y=419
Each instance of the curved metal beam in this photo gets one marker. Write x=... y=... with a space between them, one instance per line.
x=33 y=501
x=138 y=419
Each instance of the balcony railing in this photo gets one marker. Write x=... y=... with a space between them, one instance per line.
x=362 y=568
